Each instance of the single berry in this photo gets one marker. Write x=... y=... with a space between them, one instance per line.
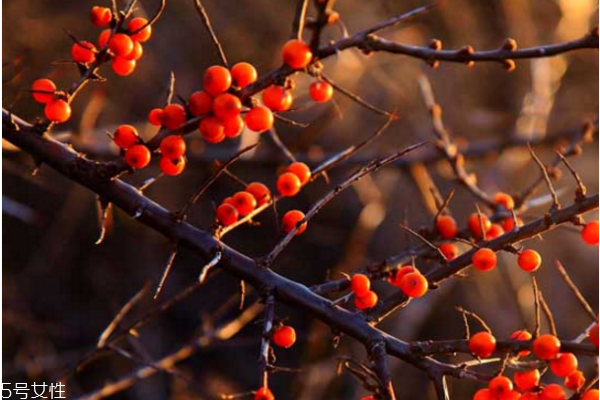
x=263 y=394
x=233 y=127
x=244 y=202
x=564 y=365
x=227 y=214
x=590 y=395
x=360 y=284
x=104 y=37
x=553 y=392
x=529 y=260
x=120 y=44
x=575 y=381
x=259 y=119
x=155 y=116
x=476 y=222
x=482 y=344
x=174 y=116
x=593 y=335
x=57 y=110
x=400 y=273
x=288 y=184
x=212 y=130
x=83 y=52
x=296 y=54
x=261 y=193
x=138 y=156
x=226 y=106
x=369 y=300
x=546 y=347
x=320 y=92
x=523 y=336
x=43 y=90
x=100 y=16
x=125 y=136
x=495 y=232
x=172 y=166
x=484 y=259
x=446 y=226
x=284 y=337
x=243 y=74
x=527 y=380
x=290 y=221
x=414 y=285
x=136 y=53
x=200 y=103
x=508 y=224
x=217 y=80
x=277 y=98
x=139 y=29
x=122 y=66
x=449 y=250
x=172 y=146
x=301 y=170
x=500 y=386
x=590 y=233
x=504 y=200
x=483 y=394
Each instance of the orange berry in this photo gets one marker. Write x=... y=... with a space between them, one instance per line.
x=122 y=66
x=414 y=285
x=261 y=193
x=590 y=395
x=296 y=54
x=484 y=259
x=475 y=223
x=217 y=80
x=172 y=146
x=136 y=53
x=120 y=44
x=172 y=166
x=482 y=344
x=546 y=347
x=301 y=170
x=243 y=74
x=593 y=335
x=155 y=116
x=575 y=381
x=495 y=232
x=508 y=224
x=200 y=103
x=212 y=130
x=83 y=52
x=524 y=336
x=504 y=200
x=277 y=98
x=43 y=85
x=527 y=380
x=288 y=184
x=138 y=156
x=244 y=202
x=320 y=92
x=590 y=233
x=449 y=250
x=227 y=214
x=360 y=284
x=446 y=226
x=500 y=386
x=233 y=126
x=173 y=116
x=226 y=106
x=290 y=221
x=369 y=300
x=103 y=38
x=125 y=136
x=259 y=119
x=400 y=273
x=553 y=392
x=284 y=337
x=564 y=365
x=100 y=16
x=529 y=260
x=263 y=394
x=57 y=111
x=135 y=25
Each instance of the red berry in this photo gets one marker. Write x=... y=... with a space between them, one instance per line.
x=449 y=250
x=369 y=300
x=138 y=156
x=484 y=259
x=414 y=285
x=226 y=106
x=83 y=52
x=136 y=53
x=482 y=344
x=100 y=16
x=172 y=146
x=446 y=226
x=261 y=193
x=47 y=87
x=155 y=116
x=200 y=103
x=508 y=224
x=553 y=392
x=575 y=381
x=546 y=347
x=500 y=386
x=233 y=127
x=227 y=214
x=284 y=337
x=593 y=335
x=135 y=25
x=360 y=284
x=173 y=116
x=212 y=130
x=259 y=119
x=475 y=222
x=217 y=80
x=57 y=111
x=522 y=335
x=483 y=394
x=125 y=136
x=296 y=54
x=277 y=98
x=290 y=221
x=529 y=260
x=301 y=170
x=172 y=166
x=564 y=365
x=495 y=232
x=120 y=44
x=288 y=184
x=122 y=66
x=590 y=233
x=243 y=74
x=527 y=380
x=263 y=394
x=590 y=395
x=244 y=202
x=504 y=200
x=400 y=273
x=320 y=92
x=103 y=38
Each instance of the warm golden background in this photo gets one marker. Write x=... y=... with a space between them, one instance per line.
x=61 y=290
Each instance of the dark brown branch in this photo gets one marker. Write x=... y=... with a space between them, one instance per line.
x=544 y=169
x=580 y=298
x=356 y=98
x=381 y=368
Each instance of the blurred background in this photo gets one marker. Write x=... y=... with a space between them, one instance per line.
x=60 y=290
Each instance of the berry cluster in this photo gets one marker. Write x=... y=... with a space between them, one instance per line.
x=364 y=297
x=412 y=283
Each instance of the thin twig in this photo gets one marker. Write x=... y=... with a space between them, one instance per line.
x=209 y=28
